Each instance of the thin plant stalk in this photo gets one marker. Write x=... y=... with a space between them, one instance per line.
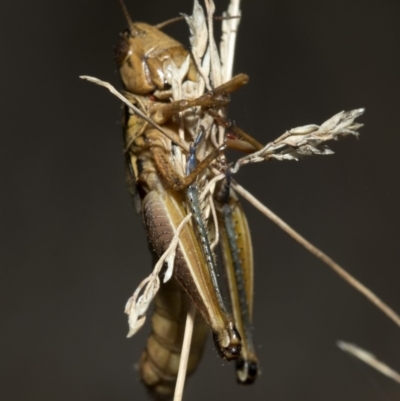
x=187 y=339
x=369 y=359
x=387 y=310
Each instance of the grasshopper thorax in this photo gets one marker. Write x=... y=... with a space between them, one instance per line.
x=143 y=54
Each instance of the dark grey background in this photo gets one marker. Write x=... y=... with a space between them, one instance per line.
x=74 y=251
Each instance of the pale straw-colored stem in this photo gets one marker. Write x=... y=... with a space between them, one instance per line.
x=369 y=359
x=320 y=255
x=234 y=10
x=187 y=339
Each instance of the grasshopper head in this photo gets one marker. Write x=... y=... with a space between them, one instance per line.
x=143 y=54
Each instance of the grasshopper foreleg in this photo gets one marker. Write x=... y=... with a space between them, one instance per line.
x=214 y=99
x=168 y=172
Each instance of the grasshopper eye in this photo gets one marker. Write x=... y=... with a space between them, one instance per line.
x=122 y=49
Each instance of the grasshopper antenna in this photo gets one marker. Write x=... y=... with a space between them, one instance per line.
x=169 y=21
x=126 y=12
x=181 y=18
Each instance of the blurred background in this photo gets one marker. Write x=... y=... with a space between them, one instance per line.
x=73 y=249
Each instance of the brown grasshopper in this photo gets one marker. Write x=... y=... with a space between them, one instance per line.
x=165 y=193
x=175 y=133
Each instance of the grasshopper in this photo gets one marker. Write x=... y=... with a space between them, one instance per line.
x=175 y=134
x=165 y=177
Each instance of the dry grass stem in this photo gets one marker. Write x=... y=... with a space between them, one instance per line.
x=320 y=255
x=228 y=41
x=369 y=359
x=187 y=339
x=173 y=137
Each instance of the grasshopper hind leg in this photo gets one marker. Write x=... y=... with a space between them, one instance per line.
x=228 y=342
x=235 y=246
